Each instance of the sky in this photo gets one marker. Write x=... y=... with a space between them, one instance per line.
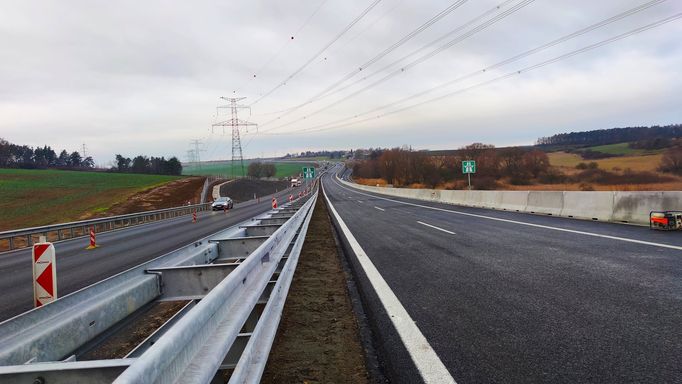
x=146 y=77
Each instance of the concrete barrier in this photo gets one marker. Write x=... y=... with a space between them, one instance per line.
x=634 y=207
x=513 y=200
x=627 y=207
x=588 y=205
x=547 y=202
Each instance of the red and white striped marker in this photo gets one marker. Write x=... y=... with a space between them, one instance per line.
x=274 y=203
x=93 y=240
x=291 y=198
x=44 y=274
x=194 y=216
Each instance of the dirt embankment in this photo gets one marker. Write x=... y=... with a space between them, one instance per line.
x=244 y=189
x=318 y=339
x=169 y=195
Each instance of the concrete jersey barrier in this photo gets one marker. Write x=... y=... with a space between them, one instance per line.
x=623 y=207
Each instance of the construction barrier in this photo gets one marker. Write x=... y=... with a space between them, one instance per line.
x=626 y=207
x=194 y=216
x=274 y=203
x=93 y=240
x=44 y=274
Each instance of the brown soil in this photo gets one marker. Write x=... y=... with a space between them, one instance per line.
x=130 y=336
x=318 y=339
x=169 y=195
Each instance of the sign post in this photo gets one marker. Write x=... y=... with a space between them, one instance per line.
x=469 y=167
x=44 y=273
x=308 y=173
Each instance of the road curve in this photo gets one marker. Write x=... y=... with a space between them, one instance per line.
x=505 y=297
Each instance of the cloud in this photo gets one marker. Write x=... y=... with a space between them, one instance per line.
x=129 y=77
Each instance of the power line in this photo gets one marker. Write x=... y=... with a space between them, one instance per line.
x=501 y=77
x=424 y=26
x=318 y=53
x=413 y=63
x=235 y=123
x=281 y=47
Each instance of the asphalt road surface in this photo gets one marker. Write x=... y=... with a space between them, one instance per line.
x=506 y=297
x=119 y=250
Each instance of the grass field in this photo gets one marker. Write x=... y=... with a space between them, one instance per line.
x=225 y=168
x=623 y=149
x=39 y=197
x=636 y=163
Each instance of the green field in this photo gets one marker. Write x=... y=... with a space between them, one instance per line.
x=622 y=149
x=39 y=197
x=225 y=168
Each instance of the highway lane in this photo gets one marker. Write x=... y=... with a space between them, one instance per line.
x=507 y=302
x=119 y=250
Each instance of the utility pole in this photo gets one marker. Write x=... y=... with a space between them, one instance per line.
x=196 y=151
x=235 y=124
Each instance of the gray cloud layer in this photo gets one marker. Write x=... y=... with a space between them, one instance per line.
x=144 y=77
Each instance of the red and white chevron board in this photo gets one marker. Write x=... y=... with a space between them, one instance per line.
x=44 y=274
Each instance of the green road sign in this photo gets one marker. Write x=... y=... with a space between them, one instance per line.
x=468 y=166
x=308 y=172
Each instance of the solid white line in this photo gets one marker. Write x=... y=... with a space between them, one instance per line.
x=381 y=209
x=429 y=365
x=519 y=222
x=434 y=227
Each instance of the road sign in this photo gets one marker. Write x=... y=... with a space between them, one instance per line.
x=469 y=166
x=308 y=172
x=44 y=274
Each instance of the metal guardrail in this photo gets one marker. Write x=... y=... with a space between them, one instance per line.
x=56 y=232
x=236 y=282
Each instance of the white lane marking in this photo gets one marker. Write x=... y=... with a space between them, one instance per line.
x=521 y=222
x=359 y=201
x=434 y=227
x=429 y=365
x=381 y=209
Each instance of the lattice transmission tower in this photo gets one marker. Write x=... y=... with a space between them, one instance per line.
x=235 y=123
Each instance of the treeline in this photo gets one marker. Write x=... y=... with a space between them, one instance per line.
x=613 y=135
x=23 y=156
x=330 y=154
x=404 y=167
x=151 y=165
x=257 y=169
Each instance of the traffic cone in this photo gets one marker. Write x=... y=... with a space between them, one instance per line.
x=93 y=242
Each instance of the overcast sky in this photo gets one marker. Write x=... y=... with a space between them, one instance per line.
x=144 y=77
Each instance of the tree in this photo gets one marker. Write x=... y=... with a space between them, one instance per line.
x=5 y=153
x=536 y=162
x=122 y=163
x=75 y=160
x=63 y=159
x=672 y=161
x=88 y=162
x=173 y=166
x=254 y=169
x=140 y=164
x=268 y=170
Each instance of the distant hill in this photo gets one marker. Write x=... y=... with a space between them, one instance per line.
x=612 y=136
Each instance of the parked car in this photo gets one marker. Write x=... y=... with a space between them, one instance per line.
x=222 y=203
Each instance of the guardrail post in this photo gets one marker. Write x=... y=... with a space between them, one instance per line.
x=11 y=243
x=29 y=240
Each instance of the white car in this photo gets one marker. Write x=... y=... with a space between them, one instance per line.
x=222 y=203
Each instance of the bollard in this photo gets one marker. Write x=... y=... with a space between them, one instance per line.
x=44 y=273
x=194 y=216
x=93 y=242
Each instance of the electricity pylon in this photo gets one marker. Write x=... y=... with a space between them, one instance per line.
x=235 y=123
